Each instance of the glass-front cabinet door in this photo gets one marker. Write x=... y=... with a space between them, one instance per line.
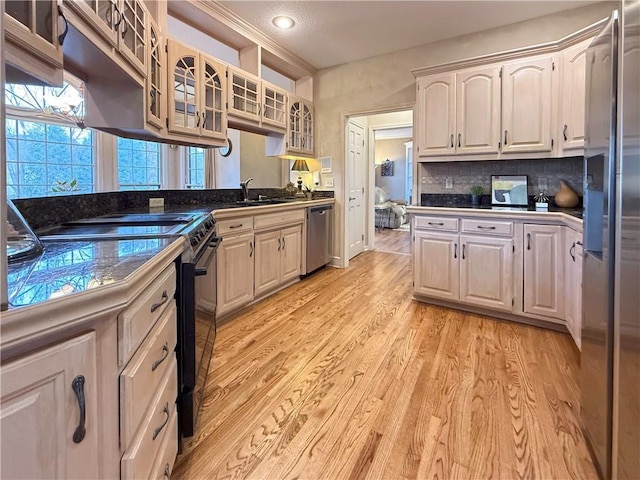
x=37 y=27
x=295 y=125
x=307 y=128
x=132 y=30
x=102 y=15
x=156 y=74
x=213 y=123
x=183 y=102
x=274 y=109
x=244 y=95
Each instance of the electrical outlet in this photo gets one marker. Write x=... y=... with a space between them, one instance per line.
x=328 y=182
x=448 y=183
x=156 y=202
x=542 y=183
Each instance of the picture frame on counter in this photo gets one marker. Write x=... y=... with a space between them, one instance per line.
x=509 y=190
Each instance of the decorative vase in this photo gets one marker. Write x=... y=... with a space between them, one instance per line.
x=566 y=198
x=475 y=199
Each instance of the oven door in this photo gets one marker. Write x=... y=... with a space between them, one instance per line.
x=196 y=331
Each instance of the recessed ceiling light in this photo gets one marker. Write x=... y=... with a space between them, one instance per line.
x=284 y=22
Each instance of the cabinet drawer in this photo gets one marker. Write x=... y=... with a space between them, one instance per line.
x=445 y=224
x=163 y=465
x=234 y=225
x=140 y=379
x=278 y=219
x=137 y=320
x=491 y=227
x=137 y=460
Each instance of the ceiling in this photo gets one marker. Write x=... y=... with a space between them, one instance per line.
x=329 y=33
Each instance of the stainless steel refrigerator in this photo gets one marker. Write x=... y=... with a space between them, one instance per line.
x=610 y=358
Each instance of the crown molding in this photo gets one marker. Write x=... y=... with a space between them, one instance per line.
x=540 y=49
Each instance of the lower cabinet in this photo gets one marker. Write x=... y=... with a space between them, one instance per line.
x=473 y=269
x=49 y=412
x=544 y=281
x=278 y=255
x=235 y=262
x=573 y=283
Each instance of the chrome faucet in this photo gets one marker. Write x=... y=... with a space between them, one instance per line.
x=245 y=189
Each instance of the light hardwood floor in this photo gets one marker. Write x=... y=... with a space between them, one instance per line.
x=343 y=376
x=393 y=241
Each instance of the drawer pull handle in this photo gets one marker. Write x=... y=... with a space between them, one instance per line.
x=235 y=226
x=165 y=299
x=440 y=224
x=165 y=354
x=571 y=250
x=157 y=431
x=482 y=227
x=455 y=250
x=78 y=388
x=167 y=472
x=528 y=241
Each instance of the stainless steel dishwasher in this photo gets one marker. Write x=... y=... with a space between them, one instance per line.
x=318 y=227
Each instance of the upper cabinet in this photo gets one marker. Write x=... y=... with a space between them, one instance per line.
x=102 y=15
x=156 y=82
x=274 y=105
x=244 y=95
x=197 y=103
x=572 y=114
x=34 y=31
x=436 y=114
x=300 y=127
x=526 y=107
x=132 y=40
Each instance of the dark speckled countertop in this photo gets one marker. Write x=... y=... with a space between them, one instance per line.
x=70 y=267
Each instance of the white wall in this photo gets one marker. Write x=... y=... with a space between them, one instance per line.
x=385 y=83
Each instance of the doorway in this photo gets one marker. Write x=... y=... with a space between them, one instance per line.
x=388 y=171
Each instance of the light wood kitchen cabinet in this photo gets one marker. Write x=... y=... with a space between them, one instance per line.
x=156 y=81
x=527 y=105
x=436 y=265
x=478 y=111
x=474 y=269
x=436 y=115
x=278 y=258
x=49 y=412
x=197 y=103
x=274 y=105
x=34 y=37
x=101 y=15
x=573 y=65
x=544 y=281
x=573 y=282
x=486 y=271
x=235 y=270
x=300 y=126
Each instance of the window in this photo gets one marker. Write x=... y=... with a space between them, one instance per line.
x=195 y=167
x=138 y=164
x=48 y=150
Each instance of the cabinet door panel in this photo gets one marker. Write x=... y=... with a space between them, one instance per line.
x=234 y=262
x=526 y=106
x=274 y=107
x=267 y=272
x=291 y=253
x=544 y=270
x=437 y=268
x=156 y=79
x=573 y=96
x=183 y=94
x=436 y=115
x=244 y=95
x=478 y=111
x=573 y=283
x=132 y=32
x=486 y=272
x=213 y=121
x=40 y=413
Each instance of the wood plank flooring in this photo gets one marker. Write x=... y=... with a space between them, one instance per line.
x=393 y=241
x=343 y=376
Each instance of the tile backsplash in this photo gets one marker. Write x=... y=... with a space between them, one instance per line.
x=433 y=176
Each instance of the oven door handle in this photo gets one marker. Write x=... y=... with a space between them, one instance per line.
x=215 y=241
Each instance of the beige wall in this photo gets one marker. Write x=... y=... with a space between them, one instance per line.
x=265 y=171
x=385 y=82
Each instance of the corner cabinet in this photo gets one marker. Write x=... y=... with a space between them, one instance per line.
x=34 y=40
x=197 y=103
x=527 y=105
x=49 y=411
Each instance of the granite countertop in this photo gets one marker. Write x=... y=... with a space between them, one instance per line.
x=70 y=267
x=574 y=212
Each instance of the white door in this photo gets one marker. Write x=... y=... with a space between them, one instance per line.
x=355 y=200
